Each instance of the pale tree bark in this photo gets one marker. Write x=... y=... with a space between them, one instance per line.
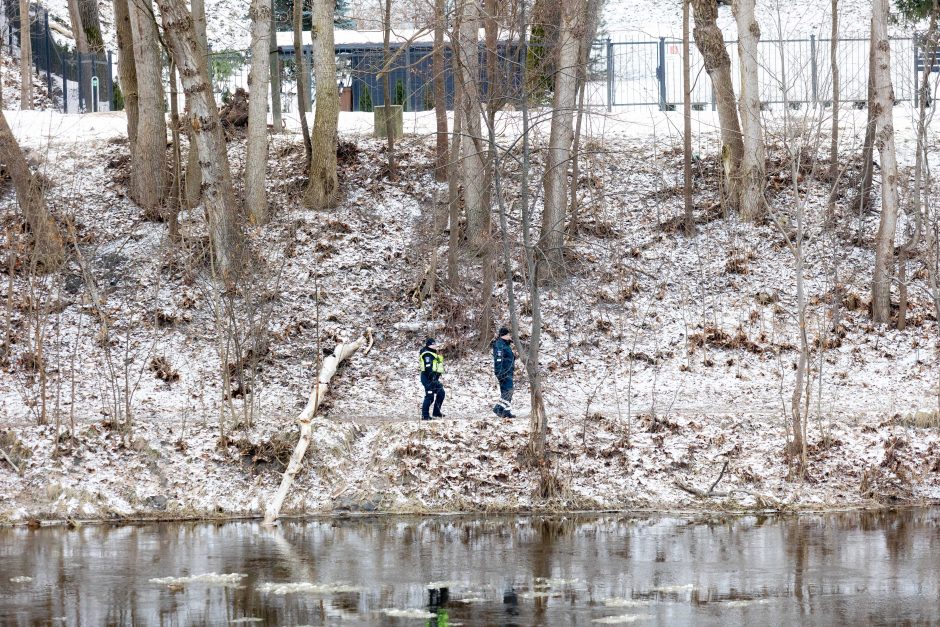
x=341 y=353
x=256 y=166
x=834 y=135
x=753 y=166
x=453 y=183
x=561 y=135
x=868 y=148
x=203 y=120
x=387 y=92
x=711 y=44
x=148 y=168
x=26 y=58
x=78 y=30
x=440 y=94
x=588 y=33
x=48 y=247
x=884 y=140
x=323 y=188
x=538 y=418
x=916 y=198
x=687 y=122
x=193 y=170
x=473 y=167
x=127 y=73
x=300 y=72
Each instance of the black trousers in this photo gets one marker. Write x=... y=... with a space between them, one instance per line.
x=433 y=395
x=504 y=405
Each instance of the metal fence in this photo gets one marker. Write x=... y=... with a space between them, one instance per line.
x=649 y=71
x=75 y=82
x=623 y=73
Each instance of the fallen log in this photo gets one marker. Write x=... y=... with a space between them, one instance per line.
x=330 y=364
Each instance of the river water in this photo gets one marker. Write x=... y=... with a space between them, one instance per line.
x=857 y=568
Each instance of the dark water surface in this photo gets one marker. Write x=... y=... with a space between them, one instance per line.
x=849 y=568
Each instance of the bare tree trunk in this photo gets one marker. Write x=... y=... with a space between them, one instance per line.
x=555 y=180
x=301 y=73
x=341 y=353
x=538 y=419
x=473 y=166
x=752 y=170
x=453 y=184
x=711 y=44
x=48 y=247
x=592 y=15
x=203 y=115
x=26 y=58
x=176 y=165
x=884 y=138
x=387 y=92
x=323 y=188
x=868 y=149
x=915 y=203
x=91 y=25
x=834 y=138
x=193 y=169
x=127 y=73
x=440 y=92
x=148 y=168
x=275 y=75
x=256 y=163
x=78 y=30
x=687 y=122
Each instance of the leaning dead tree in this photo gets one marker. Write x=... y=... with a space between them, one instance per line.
x=49 y=248
x=330 y=364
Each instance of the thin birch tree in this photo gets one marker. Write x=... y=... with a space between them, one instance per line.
x=753 y=168
x=884 y=140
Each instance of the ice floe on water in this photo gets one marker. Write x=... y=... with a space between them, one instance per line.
x=418 y=614
x=615 y=602
x=622 y=619
x=307 y=587
x=672 y=589
x=208 y=579
x=744 y=602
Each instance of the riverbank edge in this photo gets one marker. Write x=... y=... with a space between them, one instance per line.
x=144 y=518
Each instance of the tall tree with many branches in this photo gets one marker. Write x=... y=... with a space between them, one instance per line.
x=203 y=120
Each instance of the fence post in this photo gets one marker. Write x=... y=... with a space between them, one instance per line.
x=813 y=66
x=661 y=73
x=110 y=82
x=610 y=75
x=48 y=57
x=81 y=95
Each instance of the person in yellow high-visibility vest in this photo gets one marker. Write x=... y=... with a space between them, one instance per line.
x=432 y=367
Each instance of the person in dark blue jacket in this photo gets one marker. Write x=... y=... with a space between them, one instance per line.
x=432 y=367
x=504 y=361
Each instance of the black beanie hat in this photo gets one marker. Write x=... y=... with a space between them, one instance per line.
x=430 y=341
x=503 y=331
